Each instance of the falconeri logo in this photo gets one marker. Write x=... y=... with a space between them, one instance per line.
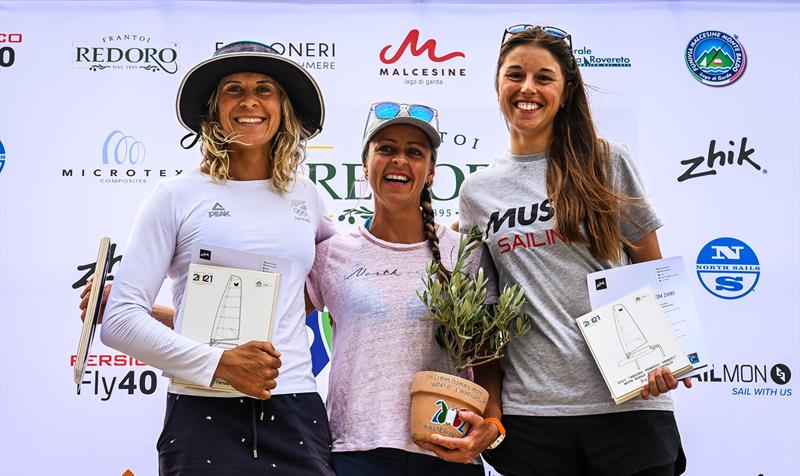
x=310 y=55
x=128 y=52
x=422 y=63
x=728 y=268
x=122 y=162
x=715 y=58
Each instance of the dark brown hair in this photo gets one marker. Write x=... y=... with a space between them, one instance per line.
x=578 y=170
x=428 y=216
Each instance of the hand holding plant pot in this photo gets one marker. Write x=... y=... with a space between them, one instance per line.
x=472 y=333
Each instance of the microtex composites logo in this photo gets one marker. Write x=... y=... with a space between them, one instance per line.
x=126 y=52
x=715 y=58
x=751 y=380
x=420 y=61
x=123 y=159
x=314 y=56
x=720 y=156
x=586 y=58
x=728 y=268
x=8 y=52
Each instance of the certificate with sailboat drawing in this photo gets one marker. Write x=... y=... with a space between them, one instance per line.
x=226 y=307
x=630 y=337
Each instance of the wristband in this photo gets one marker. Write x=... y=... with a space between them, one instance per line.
x=500 y=428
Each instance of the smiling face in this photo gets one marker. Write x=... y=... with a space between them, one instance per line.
x=398 y=164
x=249 y=106
x=530 y=89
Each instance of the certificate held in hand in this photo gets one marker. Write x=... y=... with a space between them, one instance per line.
x=102 y=267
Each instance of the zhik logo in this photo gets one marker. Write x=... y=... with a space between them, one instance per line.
x=600 y=284
x=218 y=211
x=411 y=41
x=719 y=157
x=205 y=254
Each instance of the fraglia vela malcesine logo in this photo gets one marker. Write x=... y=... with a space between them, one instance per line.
x=715 y=58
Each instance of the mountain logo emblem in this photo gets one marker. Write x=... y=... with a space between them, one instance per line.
x=715 y=58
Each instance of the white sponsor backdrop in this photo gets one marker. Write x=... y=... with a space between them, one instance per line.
x=73 y=73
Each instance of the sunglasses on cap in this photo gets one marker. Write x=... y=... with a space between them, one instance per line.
x=390 y=110
x=553 y=31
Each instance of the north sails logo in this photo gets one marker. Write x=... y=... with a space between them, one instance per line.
x=218 y=211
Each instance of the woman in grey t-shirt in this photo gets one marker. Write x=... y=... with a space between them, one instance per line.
x=560 y=204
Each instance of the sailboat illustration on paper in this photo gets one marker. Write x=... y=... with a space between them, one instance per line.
x=228 y=320
x=634 y=343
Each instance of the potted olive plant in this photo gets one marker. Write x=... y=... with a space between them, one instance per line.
x=472 y=333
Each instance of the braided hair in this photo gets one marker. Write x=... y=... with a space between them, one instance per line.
x=429 y=228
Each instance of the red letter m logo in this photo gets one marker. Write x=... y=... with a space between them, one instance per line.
x=411 y=41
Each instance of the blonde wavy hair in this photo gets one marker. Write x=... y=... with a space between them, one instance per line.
x=287 y=153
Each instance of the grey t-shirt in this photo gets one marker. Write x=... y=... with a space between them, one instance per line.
x=549 y=371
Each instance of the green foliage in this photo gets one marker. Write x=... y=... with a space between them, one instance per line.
x=471 y=332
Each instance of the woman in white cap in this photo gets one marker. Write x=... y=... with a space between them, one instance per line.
x=251 y=110
x=368 y=279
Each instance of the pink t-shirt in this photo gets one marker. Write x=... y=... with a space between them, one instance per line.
x=379 y=342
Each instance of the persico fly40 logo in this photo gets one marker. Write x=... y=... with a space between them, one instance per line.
x=728 y=268
x=715 y=58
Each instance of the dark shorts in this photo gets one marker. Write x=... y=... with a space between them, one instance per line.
x=641 y=443
x=394 y=462
x=218 y=436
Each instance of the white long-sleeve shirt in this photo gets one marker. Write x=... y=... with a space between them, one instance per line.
x=248 y=216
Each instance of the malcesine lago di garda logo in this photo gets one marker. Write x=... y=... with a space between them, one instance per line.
x=728 y=268
x=715 y=58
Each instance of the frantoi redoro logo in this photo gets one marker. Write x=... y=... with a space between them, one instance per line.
x=715 y=58
x=728 y=268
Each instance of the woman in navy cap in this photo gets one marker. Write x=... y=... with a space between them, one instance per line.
x=252 y=110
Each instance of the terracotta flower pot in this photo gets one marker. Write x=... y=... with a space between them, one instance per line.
x=436 y=399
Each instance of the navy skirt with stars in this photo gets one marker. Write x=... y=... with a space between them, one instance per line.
x=286 y=435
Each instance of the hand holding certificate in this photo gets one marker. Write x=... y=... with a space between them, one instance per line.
x=668 y=279
x=230 y=308
x=629 y=338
